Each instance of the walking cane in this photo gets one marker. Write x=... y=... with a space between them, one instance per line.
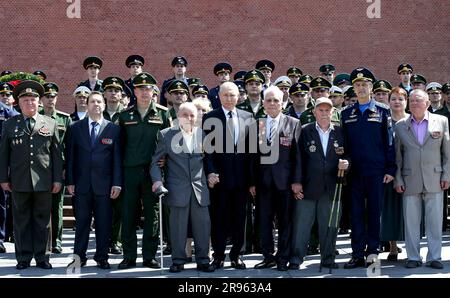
x=337 y=195
x=160 y=193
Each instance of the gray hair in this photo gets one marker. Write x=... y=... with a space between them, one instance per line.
x=230 y=85
x=188 y=106
x=421 y=93
x=275 y=90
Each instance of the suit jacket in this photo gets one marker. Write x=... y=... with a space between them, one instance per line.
x=282 y=163
x=98 y=165
x=421 y=167
x=185 y=174
x=34 y=157
x=319 y=172
x=232 y=167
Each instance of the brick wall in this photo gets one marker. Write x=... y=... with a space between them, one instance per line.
x=37 y=34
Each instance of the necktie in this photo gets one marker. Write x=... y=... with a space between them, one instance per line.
x=230 y=124
x=272 y=131
x=93 y=135
x=30 y=124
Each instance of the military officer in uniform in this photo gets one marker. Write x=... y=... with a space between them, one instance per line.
x=336 y=97
x=305 y=79
x=179 y=65
x=31 y=168
x=284 y=83
x=242 y=92
x=40 y=74
x=201 y=92
x=294 y=73
x=342 y=80
x=222 y=71
x=405 y=71
x=418 y=82
x=253 y=84
x=192 y=83
x=266 y=67
x=80 y=94
x=179 y=93
x=135 y=64
x=381 y=90
x=92 y=65
x=112 y=91
x=239 y=76
x=327 y=70
x=140 y=125
x=63 y=122
x=6 y=91
x=367 y=129
x=299 y=94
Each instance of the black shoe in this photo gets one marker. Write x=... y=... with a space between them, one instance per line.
x=44 y=265
x=82 y=263
x=238 y=264
x=294 y=266
x=206 y=267
x=435 y=264
x=312 y=251
x=103 y=264
x=175 y=268
x=217 y=263
x=56 y=250
x=167 y=250
x=343 y=231
x=151 y=264
x=2 y=248
x=115 y=249
x=336 y=252
x=413 y=264
x=330 y=266
x=354 y=263
x=266 y=263
x=282 y=265
x=392 y=257
x=22 y=265
x=127 y=263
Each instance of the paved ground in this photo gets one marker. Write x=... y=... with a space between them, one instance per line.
x=310 y=268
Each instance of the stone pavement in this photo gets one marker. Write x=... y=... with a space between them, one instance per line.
x=310 y=268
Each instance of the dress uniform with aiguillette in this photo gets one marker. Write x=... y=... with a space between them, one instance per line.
x=31 y=161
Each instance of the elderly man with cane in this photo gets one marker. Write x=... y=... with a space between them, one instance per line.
x=323 y=153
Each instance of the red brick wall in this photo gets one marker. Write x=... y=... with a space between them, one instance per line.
x=37 y=34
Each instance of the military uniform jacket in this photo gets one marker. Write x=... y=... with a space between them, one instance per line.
x=5 y=114
x=63 y=122
x=33 y=157
x=319 y=171
x=248 y=108
x=369 y=137
x=139 y=134
x=130 y=85
x=214 y=98
x=282 y=164
x=165 y=85
x=291 y=112
x=115 y=118
x=98 y=85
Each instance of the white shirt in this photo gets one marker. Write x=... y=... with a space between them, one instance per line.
x=324 y=136
x=97 y=128
x=81 y=115
x=235 y=122
x=188 y=138
x=269 y=124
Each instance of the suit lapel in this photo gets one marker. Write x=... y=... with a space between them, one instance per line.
x=431 y=126
x=39 y=124
x=331 y=139
x=85 y=131
x=411 y=132
x=102 y=127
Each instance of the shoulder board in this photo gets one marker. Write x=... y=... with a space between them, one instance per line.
x=161 y=107
x=127 y=109
x=383 y=105
x=63 y=113
x=347 y=107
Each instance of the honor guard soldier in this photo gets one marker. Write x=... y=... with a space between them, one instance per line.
x=179 y=65
x=239 y=76
x=299 y=94
x=31 y=167
x=367 y=129
x=192 y=83
x=201 y=92
x=327 y=70
x=222 y=71
x=40 y=74
x=418 y=82
x=284 y=83
x=253 y=84
x=112 y=91
x=381 y=90
x=305 y=79
x=294 y=73
x=63 y=122
x=266 y=67
x=342 y=80
x=80 y=94
x=92 y=65
x=405 y=70
x=135 y=64
x=140 y=125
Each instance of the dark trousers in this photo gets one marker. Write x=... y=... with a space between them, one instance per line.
x=116 y=220
x=137 y=186
x=87 y=205
x=367 y=195
x=57 y=218
x=228 y=210
x=9 y=227
x=271 y=202
x=2 y=216
x=31 y=211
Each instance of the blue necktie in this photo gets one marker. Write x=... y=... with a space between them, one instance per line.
x=93 y=136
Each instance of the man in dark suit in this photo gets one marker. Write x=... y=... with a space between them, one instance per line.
x=275 y=174
x=94 y=175
x=323 y=152
x=227 y=166
x=188 y=197
x=31 y=167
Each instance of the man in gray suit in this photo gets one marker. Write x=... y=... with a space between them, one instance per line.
x=188 y=196
x=423 y=173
